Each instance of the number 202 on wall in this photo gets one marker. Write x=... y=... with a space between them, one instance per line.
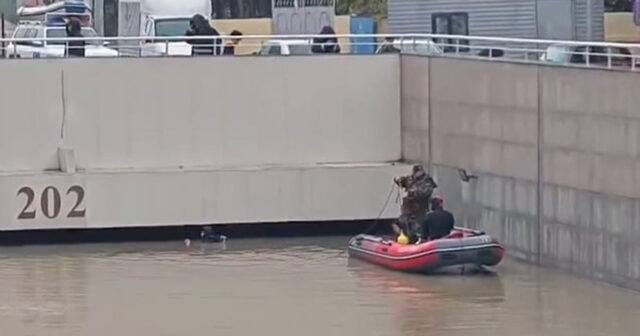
x=51 y=202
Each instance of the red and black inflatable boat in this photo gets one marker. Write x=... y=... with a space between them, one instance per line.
x=460 y=247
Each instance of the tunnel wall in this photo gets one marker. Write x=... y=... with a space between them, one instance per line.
x=146 y=142
x=555 y=152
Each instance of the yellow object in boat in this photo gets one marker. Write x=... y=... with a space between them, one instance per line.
x=402 y=239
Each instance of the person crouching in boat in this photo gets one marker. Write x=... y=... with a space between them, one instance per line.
x=208 y=236
x=439 y=222
x=419 y=186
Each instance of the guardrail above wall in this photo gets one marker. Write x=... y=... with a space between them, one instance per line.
x=622 y=56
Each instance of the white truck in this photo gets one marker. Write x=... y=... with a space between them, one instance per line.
x=47 y=22
x=160 y=18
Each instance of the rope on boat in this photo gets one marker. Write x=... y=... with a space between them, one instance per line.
x=393 y=186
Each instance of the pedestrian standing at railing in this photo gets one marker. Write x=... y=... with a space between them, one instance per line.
x=387 y=47
x=199 y=26
x=326 y=45
x=74 y=30
x=230 y=48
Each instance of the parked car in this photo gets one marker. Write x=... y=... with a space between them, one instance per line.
x=286 y=47
x=52 y=48
x=598 y=56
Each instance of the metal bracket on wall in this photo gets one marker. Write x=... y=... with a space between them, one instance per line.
x=466 y=177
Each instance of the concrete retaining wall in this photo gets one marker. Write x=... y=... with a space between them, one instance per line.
x=194 y=112
x=178 y=197
x=169 y=113
x=30 y=115
x=555 y=151
x=171 y=141
x=591 y=173
x=415 y=109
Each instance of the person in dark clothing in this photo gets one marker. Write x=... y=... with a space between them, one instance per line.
x=74 y=30
x=408 y=226
x=199 y=26
x=438 y=222
x=419 y=187
x=387 y=47
x=230 y=48
x=208 y=236
x=326 y=45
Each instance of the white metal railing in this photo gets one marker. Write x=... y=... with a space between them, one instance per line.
x=574 y=53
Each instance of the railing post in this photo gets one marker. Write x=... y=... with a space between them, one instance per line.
x=608 y=57
x=2 y=34
x=166 y=47
x=586 y=56
x=139 y=48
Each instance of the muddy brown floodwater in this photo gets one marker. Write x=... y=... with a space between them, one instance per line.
x=287 y=287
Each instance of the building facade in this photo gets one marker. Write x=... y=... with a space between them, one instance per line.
x=544 y=19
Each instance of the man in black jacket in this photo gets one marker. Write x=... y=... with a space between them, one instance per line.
x=199 y=26
x=438 y=222
x=326 y=45
x=74 y=30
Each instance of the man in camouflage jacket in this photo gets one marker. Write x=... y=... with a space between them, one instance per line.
x=419 y=187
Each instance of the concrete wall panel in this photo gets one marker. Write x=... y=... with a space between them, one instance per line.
x=592 y=234
x=179 y=197
x=30 y=115
x=501 y=206
x=414 y=76
x=591 y=126
x=560 y=86
x=484 y=116
x=171 y=141
x=233 y=111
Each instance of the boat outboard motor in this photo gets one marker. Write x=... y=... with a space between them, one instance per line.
x=208 y=236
